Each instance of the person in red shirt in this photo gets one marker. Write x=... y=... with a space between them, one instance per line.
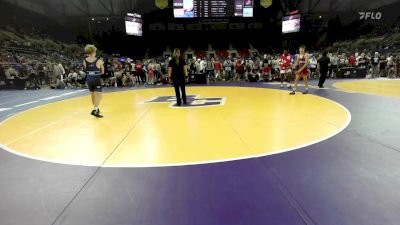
x=303 y=60
x=352 y=61
x=266 y=73
x=239 y=69
x=140 y=73
x=285 y=64
x=218 y=68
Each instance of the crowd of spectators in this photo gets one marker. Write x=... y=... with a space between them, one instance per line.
x=60 y=66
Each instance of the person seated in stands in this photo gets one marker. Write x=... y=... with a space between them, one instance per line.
x=11 y=73
x=32 y=81
x=18 y=81
x=266 y=73
x=127 y=78
x=59 y=84
x=253 y=75
x=71 y=79
x=68 y=79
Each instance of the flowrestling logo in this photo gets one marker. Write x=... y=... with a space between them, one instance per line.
x=192 y=101
x=370 y=15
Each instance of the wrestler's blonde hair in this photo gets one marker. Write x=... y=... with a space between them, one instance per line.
x=89 y=49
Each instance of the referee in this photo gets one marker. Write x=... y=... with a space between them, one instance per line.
x=177 y=72
x=323 y=65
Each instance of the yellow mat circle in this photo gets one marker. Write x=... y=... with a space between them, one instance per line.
x=389 y=88
x=140 y=130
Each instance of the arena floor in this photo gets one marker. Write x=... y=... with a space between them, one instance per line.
x=238 y=153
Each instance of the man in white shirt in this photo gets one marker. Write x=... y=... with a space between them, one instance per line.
x=313 y=66
x=59 y=71
x=228 y=69
x=334 y=65
x=198 y=66
x=375 y=64
x=391 y=70
x=203 y=65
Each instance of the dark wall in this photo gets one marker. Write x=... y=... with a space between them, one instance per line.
x=110 y=36
x=31 y=22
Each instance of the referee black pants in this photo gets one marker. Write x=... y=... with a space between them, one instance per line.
x=181 y=86
x=322 y=78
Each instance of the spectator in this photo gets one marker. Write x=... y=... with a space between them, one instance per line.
x=352 y=61
x=334 y=65
x=11 y=73
x=59 y=71
x=313 y=66
x=228 y=69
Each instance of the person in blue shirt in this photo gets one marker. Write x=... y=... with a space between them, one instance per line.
x=94 y=68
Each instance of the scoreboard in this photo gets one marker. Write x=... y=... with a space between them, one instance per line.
x=213 y=8
x=133 y=24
